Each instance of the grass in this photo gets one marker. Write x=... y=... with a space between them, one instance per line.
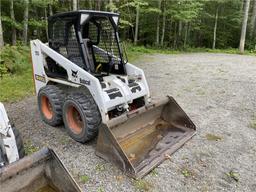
x=16 y=87
x=84 y=178
x=100 y=167
x=30 y=148
x=186 y=172
x=134 y=51
x=253 y=122
x=16 y=80
x=142 y=185
x=233 y=175
x=212 y=137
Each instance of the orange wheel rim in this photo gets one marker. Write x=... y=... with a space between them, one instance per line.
x=46 y=107
x=74 y=120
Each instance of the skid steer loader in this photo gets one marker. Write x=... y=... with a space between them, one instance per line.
x=11 y=145
x=82 y=78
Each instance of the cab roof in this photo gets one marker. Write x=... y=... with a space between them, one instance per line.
x=79 y=12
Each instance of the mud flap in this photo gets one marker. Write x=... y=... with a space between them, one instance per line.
x=140 y=141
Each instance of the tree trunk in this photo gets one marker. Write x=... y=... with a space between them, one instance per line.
x=45 y=17
x=158 y=23
x=25 y=26
x=186 y=35
x=170 y=33
x=50 y=10
x=1 y=33
x=163 y=27
x=13 y=28
x=98 y=5
x=244 y=26
x=253 y=21
x=137 y=24
x=74 y=5
x=90 y=4
x=175 y=36
x=215 y=27
x=180 y=28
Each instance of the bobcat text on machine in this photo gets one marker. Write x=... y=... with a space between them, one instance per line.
x=83 y=79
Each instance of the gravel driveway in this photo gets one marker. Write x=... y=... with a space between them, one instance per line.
x=217 y=91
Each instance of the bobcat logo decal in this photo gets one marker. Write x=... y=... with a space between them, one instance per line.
x=74 y=73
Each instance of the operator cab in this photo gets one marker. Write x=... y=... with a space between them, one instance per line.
x=87 y=38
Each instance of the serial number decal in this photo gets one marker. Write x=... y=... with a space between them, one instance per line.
x=86 y=82
x=40 y=78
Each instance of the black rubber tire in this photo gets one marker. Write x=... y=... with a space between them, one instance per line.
x=19 y=142
x=55 y=97
x=88 y=112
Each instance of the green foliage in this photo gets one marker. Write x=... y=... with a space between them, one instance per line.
x=10 y=22
x=16 y=73
x=37 y=24
x=234 y=175
x=84 y=178
x=30 y=148
x=142 y=185
x=14 y=59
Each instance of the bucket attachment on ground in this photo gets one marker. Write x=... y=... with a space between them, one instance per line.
x=39 y=172
x=140 y=141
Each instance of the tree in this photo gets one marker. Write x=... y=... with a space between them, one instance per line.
x=13 y=27
x=74 y=5
x=25 y=25
x=158 y=23
x=164 y=22
x=137 y=24
x=244 y=26
x=215 y=27
x=253 y=21
x=1 y=33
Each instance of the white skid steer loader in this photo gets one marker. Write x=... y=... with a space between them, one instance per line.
x=11 y=145
x=83 y=79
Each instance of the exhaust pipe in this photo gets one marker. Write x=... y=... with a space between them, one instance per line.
x=139 y=141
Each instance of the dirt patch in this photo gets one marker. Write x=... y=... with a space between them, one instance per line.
x=216 y=90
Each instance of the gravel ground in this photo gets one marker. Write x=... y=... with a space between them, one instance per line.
x=217 y=91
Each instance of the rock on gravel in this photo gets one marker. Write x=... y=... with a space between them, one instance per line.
x=216 y=90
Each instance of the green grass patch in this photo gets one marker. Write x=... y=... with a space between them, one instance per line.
x=16 y=80
x=142 y=185
x=30 y=148
x=134 y=51
x=16 y=87
x=212 y=137
x=234 y=175
x=186 y=173
x=84 y=178
x=100 y=167
x=253 y=122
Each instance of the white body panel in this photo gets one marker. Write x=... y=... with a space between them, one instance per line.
x=40 y=51
x=7 y=137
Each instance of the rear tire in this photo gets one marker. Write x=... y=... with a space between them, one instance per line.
x=50 y=102
x=81 y=117
x=19 y=142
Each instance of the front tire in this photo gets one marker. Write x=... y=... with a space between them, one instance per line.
x=50 y=102
x=81 y=117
